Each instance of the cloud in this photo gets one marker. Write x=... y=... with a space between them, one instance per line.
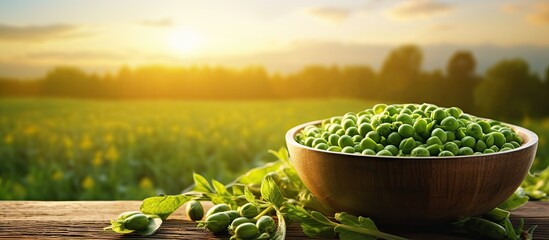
x=37 y=33
x=414 y=9
x=329 y=14
x=540 y=15
x=160 y=23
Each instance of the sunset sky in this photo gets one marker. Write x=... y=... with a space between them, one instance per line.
x=281 y=35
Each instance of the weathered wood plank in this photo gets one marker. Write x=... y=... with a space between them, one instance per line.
x=85 y=220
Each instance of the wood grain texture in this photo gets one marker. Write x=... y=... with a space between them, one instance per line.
x=404 y=190
x=85 y=220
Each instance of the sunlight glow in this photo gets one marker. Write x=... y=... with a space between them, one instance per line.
x=184 y=41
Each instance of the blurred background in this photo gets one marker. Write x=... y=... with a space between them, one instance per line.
x=125 y=99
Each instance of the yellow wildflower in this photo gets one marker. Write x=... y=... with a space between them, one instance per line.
x=97 y=158
x=86 y=143
x=57 y=175
x=109 y=138
x=112 y=154
x=88 y=182
x=145 y=183
x=8 y=139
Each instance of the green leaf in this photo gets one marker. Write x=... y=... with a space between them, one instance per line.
x=201 y=184
x=163 y=206
x=256 y=175
x=220 y=188
x=282 y=155
x=354 y=228
x=311 y=227
x=280 y=233
x=271 y=193
x=118 y=227
x=154 y=224
x=250 y=197
x=320 y=218
x=517 y=200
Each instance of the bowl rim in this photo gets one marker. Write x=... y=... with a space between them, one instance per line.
x=532 y=140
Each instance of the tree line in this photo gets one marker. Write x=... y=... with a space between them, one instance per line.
x=508 y=89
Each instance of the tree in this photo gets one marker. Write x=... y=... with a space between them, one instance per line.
x=461 y=80
x=508 y=90
x=400 y=70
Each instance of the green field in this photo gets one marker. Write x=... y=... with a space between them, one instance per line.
x=75 y=149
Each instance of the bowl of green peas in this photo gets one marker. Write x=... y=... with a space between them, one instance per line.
x=411 y=164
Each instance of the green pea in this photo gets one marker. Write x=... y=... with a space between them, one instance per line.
x=309 y=141
x=488 y=151
x=249 y=210
x=406 y=130
x=439 y=115
x=499 y=138
x=246 y=230
x=411 y=107
x=434 y=140
x=440 y=134
x=364 y=129
x=405 y=119
x=266 y=224
x=333 y=139
x=474 y=130
x=449 y=123
x=450 y=136
x=348 y=149
x=379 y=108
x=465 y=117
x=368 y=152
x=335 y=120
x=322 y=146
x=488 y=139
x=446 y=153
x=233 y=214
x=334 y=128
x=434 y=149
x=384 y=153
x=368 y=143
x=347 y=123
x=391 y=110
x=394 y=139
x=465 y=151
x=334 y=149
x=384 y=129
x=358 y=148
x=340 y=132
x=457 y=142
x=517 y=139
x=379 y=147
x=418 y=137
x=508 y=135
x=218 y=208
x=393 y=149
x=508 y=145
x=494 y=148
x=352 y=131
x=419 y=112
x=485 y=126
x=194 y=210
x=238 y=221
x=468 y=142
x=319 y=141
x=407 y=145
x=420 y=125
x=136 y=222
x=515 y=144
x=452 y=147
x=362 y=119
x=345 y=141
x=374 y=136
x=503 y=149
x=218 y=222
x=480 y=146
x=460 y=133
x=420 y=152
x=406 y=111
x=454 y=112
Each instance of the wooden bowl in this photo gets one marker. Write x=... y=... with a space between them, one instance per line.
x=412 y=190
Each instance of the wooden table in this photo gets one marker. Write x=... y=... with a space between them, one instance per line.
x=85 y=220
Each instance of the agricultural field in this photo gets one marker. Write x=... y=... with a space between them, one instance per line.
x=60 y=149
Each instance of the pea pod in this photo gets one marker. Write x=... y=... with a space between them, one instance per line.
x=266 y=224
x=246 y=230
x=249 y=210
x=195 y=211
x=218 y=208
x=217 y=222
x=136 y=222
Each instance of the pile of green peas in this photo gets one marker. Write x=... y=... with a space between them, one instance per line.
x=417 y=130
x=244 y=223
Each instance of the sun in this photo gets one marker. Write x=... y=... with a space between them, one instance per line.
x=185 y=41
